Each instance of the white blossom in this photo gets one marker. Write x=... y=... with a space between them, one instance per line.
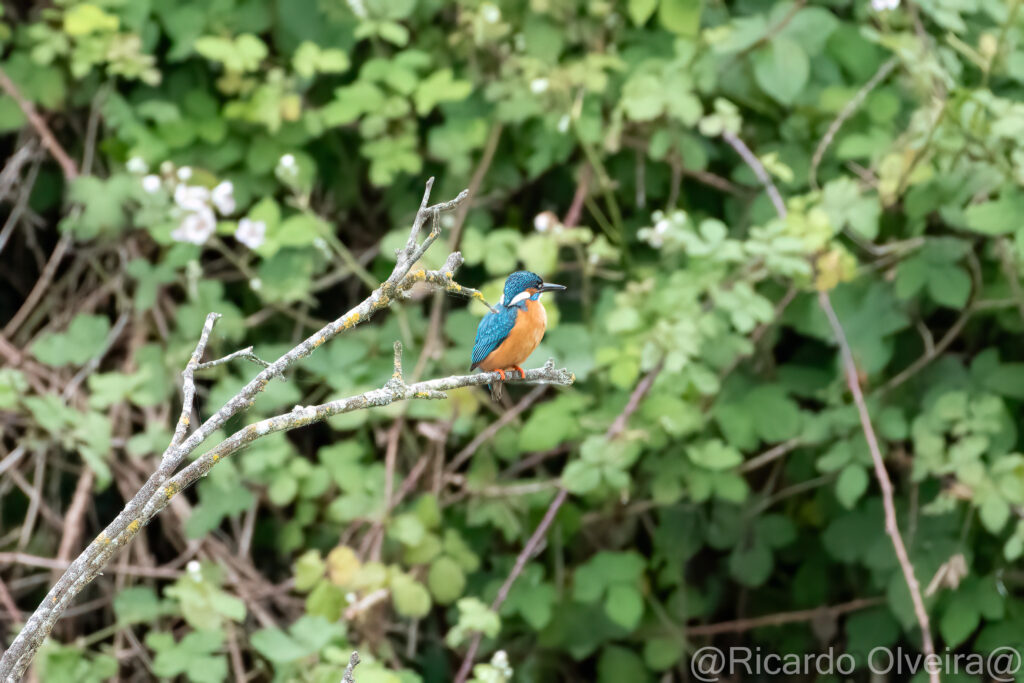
x=490 y=13
x=196 y=227
x=882 y=5
x=538 y=85
x=358 y=8
x=192 y=197
x=166 y=168
x=137 y=165
x=223 y=198
x=192 y=567
x=662 y=226
x=184 y=173
x=255 y=284
x=544 y=221
x=287 y=162
x=151 y=183
x=563 y=124
x=251 y=233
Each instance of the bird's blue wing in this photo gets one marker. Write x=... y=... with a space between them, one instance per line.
x=493 y=329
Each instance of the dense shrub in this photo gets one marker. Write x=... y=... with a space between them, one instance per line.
x=263 y=158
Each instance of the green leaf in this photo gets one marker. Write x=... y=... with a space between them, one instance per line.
x=851 y=485
x=681 y=16
x=661 y=654
x=641 y=10
x=994 y=512
x=409 y=596
x=751 y=565
x=309 y=568
x=714 y=455
x=624 y=605
x=474 y=616
x=997 y=217
x=949 y=286
x=781 y=69
x=85 y=337
x=440 y=86
x=138 y=604
x=277 y=646
x=960 y=618
x=446 y=580
x=83 y=19
x=12 y=385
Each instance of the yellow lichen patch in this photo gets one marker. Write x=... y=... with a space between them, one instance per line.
x=214 y=457
x=572 y=377
x=170 y=491
x=184 y=420
x=318 y=342
x=385 y=300
x=449 y=274
x=135 y=526
x=102 y=539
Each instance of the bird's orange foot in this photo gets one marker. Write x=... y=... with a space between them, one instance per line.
x=502 y=373
x=522 y=373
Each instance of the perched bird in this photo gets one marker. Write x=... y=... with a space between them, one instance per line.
x=511 y=331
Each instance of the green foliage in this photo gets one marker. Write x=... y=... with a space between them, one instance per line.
x=262 y=159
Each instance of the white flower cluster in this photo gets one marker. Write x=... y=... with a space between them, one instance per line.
x=655 y=235
x=198 y=205
x=883 y=5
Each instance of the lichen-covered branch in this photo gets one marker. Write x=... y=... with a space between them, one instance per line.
x=393 y=391
x=160 y=486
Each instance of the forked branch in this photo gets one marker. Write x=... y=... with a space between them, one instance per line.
x=167 y=481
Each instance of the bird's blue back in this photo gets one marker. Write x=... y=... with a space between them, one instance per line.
x=494 y=328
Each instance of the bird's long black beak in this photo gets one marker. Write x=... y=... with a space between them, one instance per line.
x=548 y=287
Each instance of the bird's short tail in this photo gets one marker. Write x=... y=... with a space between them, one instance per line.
x=496 y=389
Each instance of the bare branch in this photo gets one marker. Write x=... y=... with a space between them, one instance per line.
x=847 y=111
x=884 y=483
x=159 y=488
x=759 y=170
x=37 y=123
x=353 y=662
x=246 y=353
x=853 y=382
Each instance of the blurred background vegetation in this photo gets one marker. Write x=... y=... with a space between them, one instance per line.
x=263 y=159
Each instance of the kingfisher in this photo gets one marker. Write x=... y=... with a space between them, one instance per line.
x=512 y=330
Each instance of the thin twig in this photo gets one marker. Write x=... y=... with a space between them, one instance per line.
x=852 y=380
x=770 y=455
x=353 y=662
x=635 y=398
x=524 y=556
x=42 y=130
x=493 y=428
x=741 y=625
x=639 y=392
x=891 y=525
x=847 y=111
x=245 y=353
x=41 y=286
x=759 y=170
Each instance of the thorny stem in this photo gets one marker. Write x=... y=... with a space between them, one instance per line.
x=157 y=490
x=853 y=382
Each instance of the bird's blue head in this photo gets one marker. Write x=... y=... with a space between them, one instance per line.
x=522 y=285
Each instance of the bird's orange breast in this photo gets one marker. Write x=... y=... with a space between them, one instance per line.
x=521 y=341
